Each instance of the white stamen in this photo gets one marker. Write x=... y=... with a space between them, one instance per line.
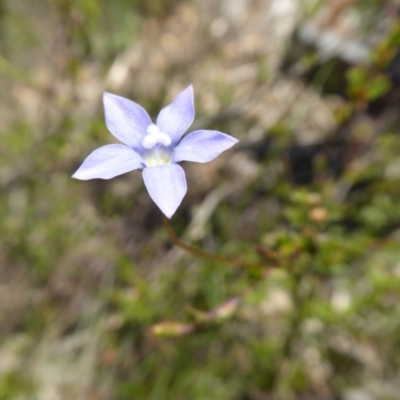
x=157 y=144
x=155 y=136
x=153 y=129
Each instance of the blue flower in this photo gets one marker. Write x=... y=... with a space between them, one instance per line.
x=154 y=148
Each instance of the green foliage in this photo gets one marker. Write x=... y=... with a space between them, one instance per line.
x=92 y=260
x=364 y=86
x=14 y=384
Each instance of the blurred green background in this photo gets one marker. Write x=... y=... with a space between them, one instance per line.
x=96 y=303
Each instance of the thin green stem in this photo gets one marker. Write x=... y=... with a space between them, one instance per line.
x=202 y=254
x=292 y=333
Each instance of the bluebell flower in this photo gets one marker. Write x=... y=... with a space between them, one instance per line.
x=157 y=149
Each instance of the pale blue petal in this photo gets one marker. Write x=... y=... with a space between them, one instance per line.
x=176 y=118
x=202 y=146
x=126 y=120
x=166 y=185
x=109 y=161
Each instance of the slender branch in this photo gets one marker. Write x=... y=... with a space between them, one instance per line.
x=291 y=335
x=202 y=254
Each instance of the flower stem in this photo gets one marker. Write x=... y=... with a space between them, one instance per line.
x=202 y=254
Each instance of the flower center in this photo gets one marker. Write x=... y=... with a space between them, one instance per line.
x=156 y=145
x=155 y=136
